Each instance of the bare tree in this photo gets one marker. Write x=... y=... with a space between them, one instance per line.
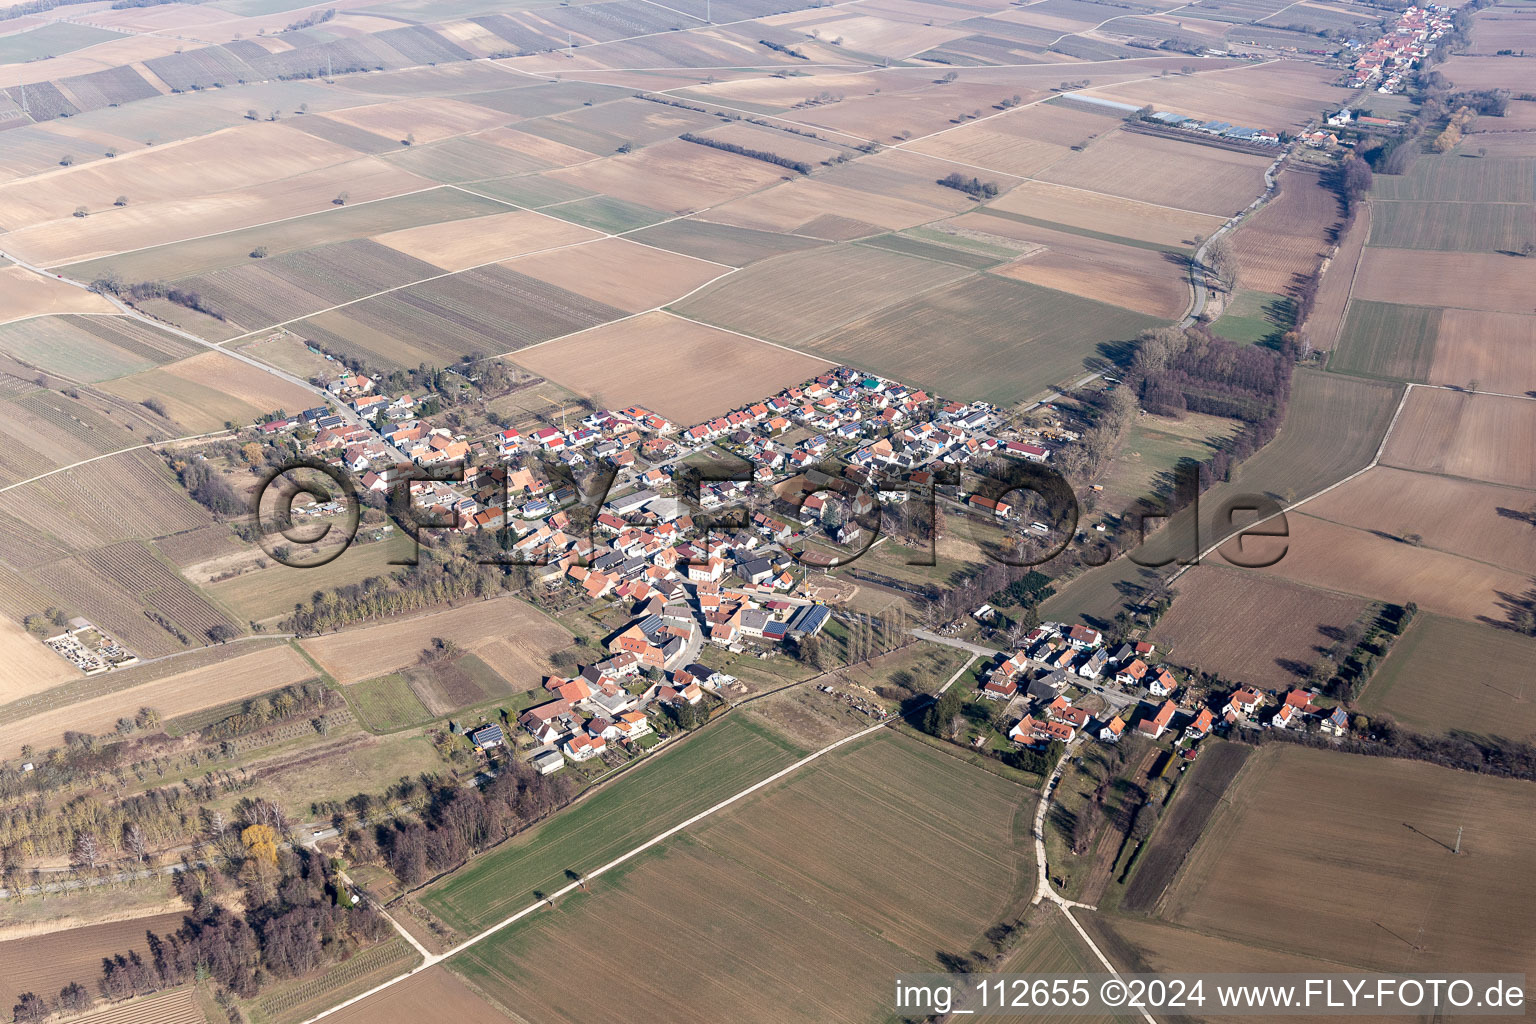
x=1222 y=261
x=135 y=841
x=87 y=850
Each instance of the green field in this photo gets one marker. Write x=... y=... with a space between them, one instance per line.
x=51 y=40
x=722 y=243
x=1153 y=449
x=1458 y=178
x=605 y=213
x=1457 y=227
x=1383 y=339
x=463 y=160
x=722 y=759
x=1252 y=317
x=1333 y=427
x=1424 y=682
x=984 y=337
x=807 y=897
x=339 y=224
x=267 y=593
x=387 y=704
x=530 y=190
x=1074 y=229
x=929 y=250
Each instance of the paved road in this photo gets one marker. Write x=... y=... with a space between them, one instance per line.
x=949 y=641
x=1197 y=262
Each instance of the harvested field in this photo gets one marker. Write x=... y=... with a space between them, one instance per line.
x=232 y=679
x=466 y=158
x=1489 y=347
x=1199 y=793
x=1367 y=562
x=90 y=348
x=677 y=177
x=802 y=296
x=719 y=243
x=427 y=119
x=1250 y=629
x=983 y=337
x=621 y=273
x=1138 y=279
x=796 y=205
x=1279 y=95
x=1458 y=227
x=1024 y=142
x=962 y=251
x=1326 y=322
x=285 y=352
x=794 y=904
x=194 y=213
x=1382 y=339
x=1149 y=946
x=1465 y=435
x=46 y=963
x=1165 y=172
x=1424 y=683
x=438 y=208
x=689 y=373
x=1109 y=216
x=27 y=667
x=228 y=160
x=505 y=633
x=1333 y=427
x=280 y=289
x=1388 y=864
x=1455 y=178
x=1463 y=517
x=481 y=240
x=488 y=310
x=434 y=994
x=24 y=294
x=1462 y=280
x=448 y=686
x=1283 y=243
x=209 y=389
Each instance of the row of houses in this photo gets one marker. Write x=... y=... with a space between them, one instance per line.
x=602 y=706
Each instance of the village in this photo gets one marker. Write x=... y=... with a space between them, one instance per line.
x=1386 y=62
x=807 y=498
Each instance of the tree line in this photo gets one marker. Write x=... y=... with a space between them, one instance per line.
x=455 y=823
x=142 y=291
x=974 y=187
x=798 y=166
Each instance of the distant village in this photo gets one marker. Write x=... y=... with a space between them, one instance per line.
x=1385 y=63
